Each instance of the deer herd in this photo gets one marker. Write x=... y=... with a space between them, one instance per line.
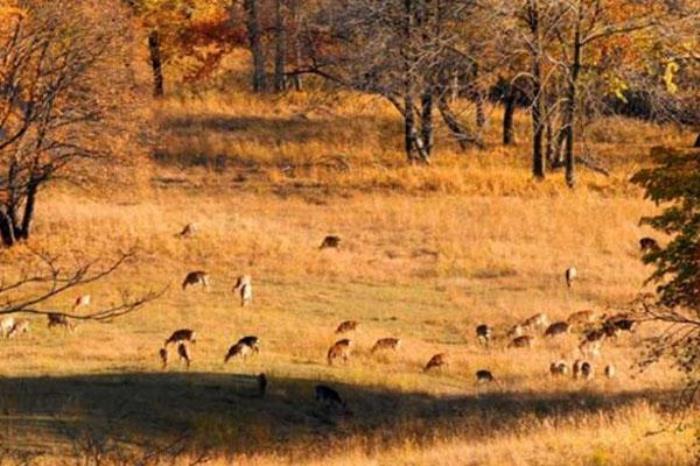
x=593 y=331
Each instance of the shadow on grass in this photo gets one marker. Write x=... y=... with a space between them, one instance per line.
x=223 y=414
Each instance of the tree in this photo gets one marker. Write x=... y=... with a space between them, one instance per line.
x=64 y=84
x=674 y=182
x=254 y=29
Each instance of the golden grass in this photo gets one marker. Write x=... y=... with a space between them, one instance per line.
x=427 y=253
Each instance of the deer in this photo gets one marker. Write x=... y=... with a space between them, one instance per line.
x=188 y=231
x=347 y=326
x=198 y=277
x=609 y=371
x=558 y=368
x=524 y=341
x=537 y=321
x=244 y=288
x=183 y=334
x=6 y=325
x=570 y=275
x=483 y=334
x=20 y=327
x=184 y=352
x=251 y=341
x=330 y=241
x=557 y=328
x=57 y=319
x=340 y=349
x=386 y=344
x=576 y=368
x=515 y=331
x=484 y=375
x=329 y=397
x=587 y=370
x=436 y=361
x=581 y=318
x=238 y=350
x=82 y=301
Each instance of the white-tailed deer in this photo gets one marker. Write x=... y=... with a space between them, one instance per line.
x=483 y=334
x=339 y=350
x=610 y=371
x=483 y=375
x=6 y=324
x=330 y=241
x=539 y=321
x=524 y=341
x=436 y=361
x=21 y=327
x=347 y=326
x=386 y=344
x=198 y=277
x=184 y=352
x=59 y=320
x=557 y=328
x=250 y=341
x=183 y=334
x=188 y=231
x=558 y=368
x=587 y=370
x=581 y=317
x=570 y=275
x=238 y=350
x=244 y=288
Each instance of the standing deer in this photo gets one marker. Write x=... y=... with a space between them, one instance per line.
x=570 y=276
x=484 y=376
x=483 y=334
x=181 y=335
x=184 y=352
x=6 y=325
x=557 y=328
x=238 y=350
x=58 y=319
x=436 y=361
x=330 y=241
x=386 y=344
x=610 y=371
x=244 y=288
x=341 y=349
x=198 y=277
x=524 y=341
x=558 y=368
x=251 y=341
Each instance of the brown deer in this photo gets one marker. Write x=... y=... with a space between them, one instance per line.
x=238 y=350
x=57 y=319
x=183 y=334
x=648 y=244
x=341 y=349
x=244 y=288
x=557 y=328
x=537 y=321
x=483 y=334
x=581 y=318
x=558 y=368
x=198 y=277
x=386 y=344
x=484 y=376
x=330 y=241
x=609 y=371
x=20 y=327
x=587 y=370
x=347 y=326
x=251 y=341
x=436 y=361
x=6 y=326
x=188 y=231
x=570 y=275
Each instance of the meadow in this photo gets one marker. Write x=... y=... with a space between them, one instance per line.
x=427 y=253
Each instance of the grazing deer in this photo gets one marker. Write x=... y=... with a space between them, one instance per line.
x=184 y=334
x=238 y=350
x=624 y=324
x=6 y=325
x=57 y=319
x=576 y=368
x=557 y=328
x=386 y=344
x=558 y=368
x=596 y=335
x=484 y=376
x=262 y=384
x=163 y=353
x=581 y=318
x=329 y=397
x=537 y=321
x=570 y=276
x=649 y=244
x=82 y=301
x=194 y=278
x=516 y=331
x=244 y=288
x=330 y=241
x=524 y=341
x=188 y=231
x=20 y=327
x=436 y=361
x=341 y=349
x=610 y=371
x=184 y=352
x=250 y=341
x=587 y=370
x=347 y=326
x=483 y=334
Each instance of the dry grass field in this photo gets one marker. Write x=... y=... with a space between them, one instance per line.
x=427 y=253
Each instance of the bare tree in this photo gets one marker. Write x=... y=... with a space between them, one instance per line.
x=256 y=46
x=280 y=46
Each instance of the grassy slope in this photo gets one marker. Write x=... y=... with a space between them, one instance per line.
x=427 y=254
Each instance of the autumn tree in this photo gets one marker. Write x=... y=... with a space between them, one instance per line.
x=65 y=87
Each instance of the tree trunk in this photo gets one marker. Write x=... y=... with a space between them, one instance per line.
x=537 y=101
x=697 y=141
x=7 y=232
x=280 y=48
x=255 y=42
x=427 y=120
x=570 y=108
x=297 y=79
x=508 y=116
x=156 y=63
x=28 y=217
